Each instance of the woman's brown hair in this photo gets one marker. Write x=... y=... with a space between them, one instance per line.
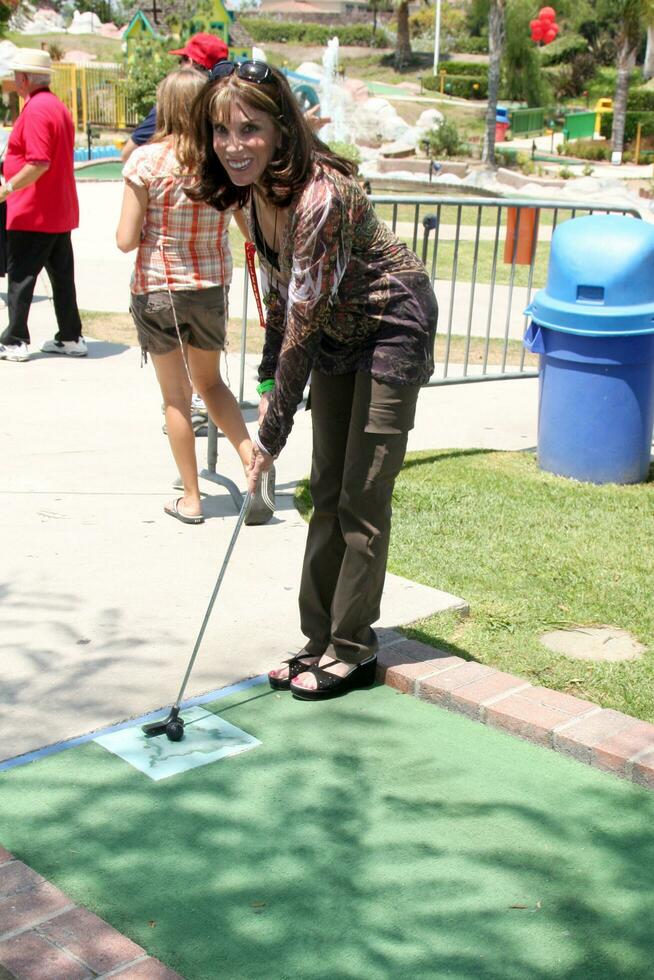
x=176 y=94
x=299 y=147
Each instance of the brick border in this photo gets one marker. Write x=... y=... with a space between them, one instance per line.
x=44 y=935
x=600 y=737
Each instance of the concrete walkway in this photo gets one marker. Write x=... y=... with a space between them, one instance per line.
x=103 y=594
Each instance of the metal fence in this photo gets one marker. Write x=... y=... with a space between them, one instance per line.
x=94 y=94
x=486 y=258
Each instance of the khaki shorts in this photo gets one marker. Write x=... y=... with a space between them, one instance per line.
x=200 y=317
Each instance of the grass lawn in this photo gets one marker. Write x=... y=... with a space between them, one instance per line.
x=118 y=328
x=465 y=263
x=405 y=218
x=530 y=552
x=104 y=48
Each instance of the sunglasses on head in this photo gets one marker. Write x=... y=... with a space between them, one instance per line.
x=249 y=71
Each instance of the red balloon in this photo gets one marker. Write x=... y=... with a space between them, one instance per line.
x=550 y=36
x=537 y=31
x=555 y=27
x=547 y=14
x=533 y=23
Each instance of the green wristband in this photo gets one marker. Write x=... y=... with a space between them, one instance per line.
x=265 y=386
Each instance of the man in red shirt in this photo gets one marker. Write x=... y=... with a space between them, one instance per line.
x=42 y=210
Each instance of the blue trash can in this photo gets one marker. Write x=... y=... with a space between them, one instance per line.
x=593 y=326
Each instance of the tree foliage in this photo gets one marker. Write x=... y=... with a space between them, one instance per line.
x=522 y=77
x=6 y=10
x=148 y=62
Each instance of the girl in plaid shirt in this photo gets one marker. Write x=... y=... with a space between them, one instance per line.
x=179 y=290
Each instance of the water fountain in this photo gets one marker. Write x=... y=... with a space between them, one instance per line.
x=355 y=117
x=333 y=97
x=387 y=143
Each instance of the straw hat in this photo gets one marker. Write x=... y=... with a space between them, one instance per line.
x=32 y=60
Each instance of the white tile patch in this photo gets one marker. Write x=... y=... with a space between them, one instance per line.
x=207 y=738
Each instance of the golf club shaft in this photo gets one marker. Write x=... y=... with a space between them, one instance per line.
x=239 y=524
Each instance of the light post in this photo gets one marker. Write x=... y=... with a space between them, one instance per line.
x=437 y=35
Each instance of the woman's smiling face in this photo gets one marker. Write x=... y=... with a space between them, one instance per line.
x=245 y=143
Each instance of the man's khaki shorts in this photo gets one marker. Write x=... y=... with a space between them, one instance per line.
x=200 y=317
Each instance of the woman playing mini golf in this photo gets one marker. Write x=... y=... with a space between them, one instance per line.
x=349 y=305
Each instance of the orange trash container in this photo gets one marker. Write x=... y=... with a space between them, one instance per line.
x=527 y=235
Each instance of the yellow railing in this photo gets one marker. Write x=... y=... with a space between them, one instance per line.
x=95 y=94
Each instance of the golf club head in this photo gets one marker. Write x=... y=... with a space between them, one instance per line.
x=156 y=728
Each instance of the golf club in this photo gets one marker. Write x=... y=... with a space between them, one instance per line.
x=172 y=726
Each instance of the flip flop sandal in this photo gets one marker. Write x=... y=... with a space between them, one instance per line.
x=174 y=511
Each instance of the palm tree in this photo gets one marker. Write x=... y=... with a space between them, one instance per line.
x=376 y=6
x=631 y=17
x=403 y=51
x=496 y=15
x=648 y=64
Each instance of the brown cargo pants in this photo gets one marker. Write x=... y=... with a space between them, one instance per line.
x=360 y=431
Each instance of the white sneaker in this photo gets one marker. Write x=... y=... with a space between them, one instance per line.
x=14 y=352
x=73 y=348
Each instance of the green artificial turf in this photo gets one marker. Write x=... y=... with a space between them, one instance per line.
x=108 y=170
x=530 y=552
x=374 y=836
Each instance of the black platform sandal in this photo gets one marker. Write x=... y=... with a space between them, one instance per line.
x=296 y=665
x=331 y=685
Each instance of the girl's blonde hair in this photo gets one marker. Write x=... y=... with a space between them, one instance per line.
x=175 y=96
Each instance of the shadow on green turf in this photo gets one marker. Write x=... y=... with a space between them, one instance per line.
x=373 y=836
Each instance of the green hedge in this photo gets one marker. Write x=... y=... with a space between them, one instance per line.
x=462 y=86
x=563 y=50
x=469 y=45
x=464 y=68
x=641 y=100
x=586 y=150
x=261 y=29
x=631 y=122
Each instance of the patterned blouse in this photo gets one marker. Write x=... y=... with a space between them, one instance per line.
x=347 y=296
x=184 y=245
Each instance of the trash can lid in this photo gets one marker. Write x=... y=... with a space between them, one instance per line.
x=600 y=280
